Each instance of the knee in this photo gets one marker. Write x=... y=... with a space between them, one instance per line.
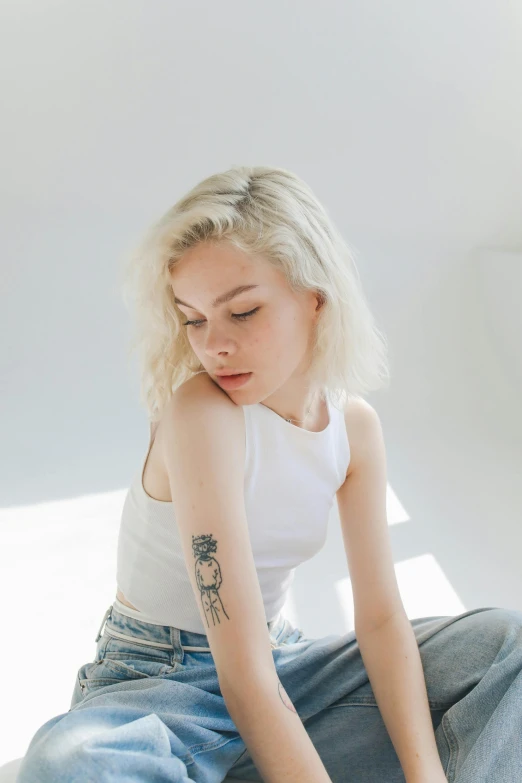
x=506 y=623
x=508 y=617
x=55 y=754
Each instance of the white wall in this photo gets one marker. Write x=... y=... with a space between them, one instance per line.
x=406 y=120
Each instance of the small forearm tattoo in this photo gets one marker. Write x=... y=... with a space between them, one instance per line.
x=284 y=698
x=208 y=577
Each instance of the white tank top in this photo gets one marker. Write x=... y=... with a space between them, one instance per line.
x=291 y=478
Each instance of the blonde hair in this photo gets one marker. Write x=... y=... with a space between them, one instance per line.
x=271 y=212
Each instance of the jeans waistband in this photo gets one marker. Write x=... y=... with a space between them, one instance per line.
x=126 y=626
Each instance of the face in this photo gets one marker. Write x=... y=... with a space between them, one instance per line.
x=265 y=331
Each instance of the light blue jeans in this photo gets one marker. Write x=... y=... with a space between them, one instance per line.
x=149 y=707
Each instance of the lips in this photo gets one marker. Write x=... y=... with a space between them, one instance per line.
x=228 y=374
x=234 y=381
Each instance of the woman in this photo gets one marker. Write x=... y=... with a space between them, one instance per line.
x=257 y=346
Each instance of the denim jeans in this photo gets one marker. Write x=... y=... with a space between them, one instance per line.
x=149 y=707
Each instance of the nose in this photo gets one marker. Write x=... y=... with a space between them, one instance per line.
x=217 y=341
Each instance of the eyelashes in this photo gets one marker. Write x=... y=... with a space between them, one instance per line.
x=237 y=316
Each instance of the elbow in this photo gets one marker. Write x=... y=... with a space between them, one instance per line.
x=247 y=685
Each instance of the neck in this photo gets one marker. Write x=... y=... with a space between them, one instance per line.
x=302 y=414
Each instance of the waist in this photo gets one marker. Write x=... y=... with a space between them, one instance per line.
x=125 y=623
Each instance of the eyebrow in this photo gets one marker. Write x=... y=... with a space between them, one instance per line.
x=226 y=297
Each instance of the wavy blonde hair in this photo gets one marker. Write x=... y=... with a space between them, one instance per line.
x=271 y=212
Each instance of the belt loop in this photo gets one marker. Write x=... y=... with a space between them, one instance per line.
x=178 y=653
x=106 y=615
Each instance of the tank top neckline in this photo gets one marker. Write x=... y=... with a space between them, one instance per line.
x=286 y=423
x=306 y=433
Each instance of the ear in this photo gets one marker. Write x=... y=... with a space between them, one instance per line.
x=321 y=299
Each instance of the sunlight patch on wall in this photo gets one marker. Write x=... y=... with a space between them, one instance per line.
x=424 y=587
x=395 y=510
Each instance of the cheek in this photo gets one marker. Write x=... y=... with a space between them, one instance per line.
x=266 y=335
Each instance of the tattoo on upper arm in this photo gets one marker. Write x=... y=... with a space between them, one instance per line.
x=208 y=576
x=208 y=580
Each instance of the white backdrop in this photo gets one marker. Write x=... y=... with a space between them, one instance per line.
x=406 y=120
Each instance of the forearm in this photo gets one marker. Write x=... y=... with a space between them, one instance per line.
x=392 y=660
x=274 y=733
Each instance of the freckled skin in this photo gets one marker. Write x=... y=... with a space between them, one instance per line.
x=274 y=343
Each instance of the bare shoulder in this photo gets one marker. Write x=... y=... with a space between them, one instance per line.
x=199 y=403
x=202 y=389
x=361 y=420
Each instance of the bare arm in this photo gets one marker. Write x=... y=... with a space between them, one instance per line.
x=274 y=733
x=386 y=639
x=203 y=448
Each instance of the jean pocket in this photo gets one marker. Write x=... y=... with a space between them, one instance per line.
x=289 y=635
x=117 y=661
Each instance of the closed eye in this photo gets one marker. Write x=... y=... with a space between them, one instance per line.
x=239 y=316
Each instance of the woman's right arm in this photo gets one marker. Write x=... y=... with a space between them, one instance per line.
x=203 y=445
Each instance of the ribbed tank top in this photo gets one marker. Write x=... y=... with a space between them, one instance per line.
x=291 y=478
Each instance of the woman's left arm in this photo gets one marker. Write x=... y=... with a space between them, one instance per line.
x=384 y=633
x=391 y=657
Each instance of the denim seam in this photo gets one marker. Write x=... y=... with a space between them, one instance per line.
x=239 y=759
x=133 y=655
x=102 y=649
x=214 y=745
x=453 y=746
x=121 y=666
x=370 y=701
x=102 y=681
x=136 y=640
